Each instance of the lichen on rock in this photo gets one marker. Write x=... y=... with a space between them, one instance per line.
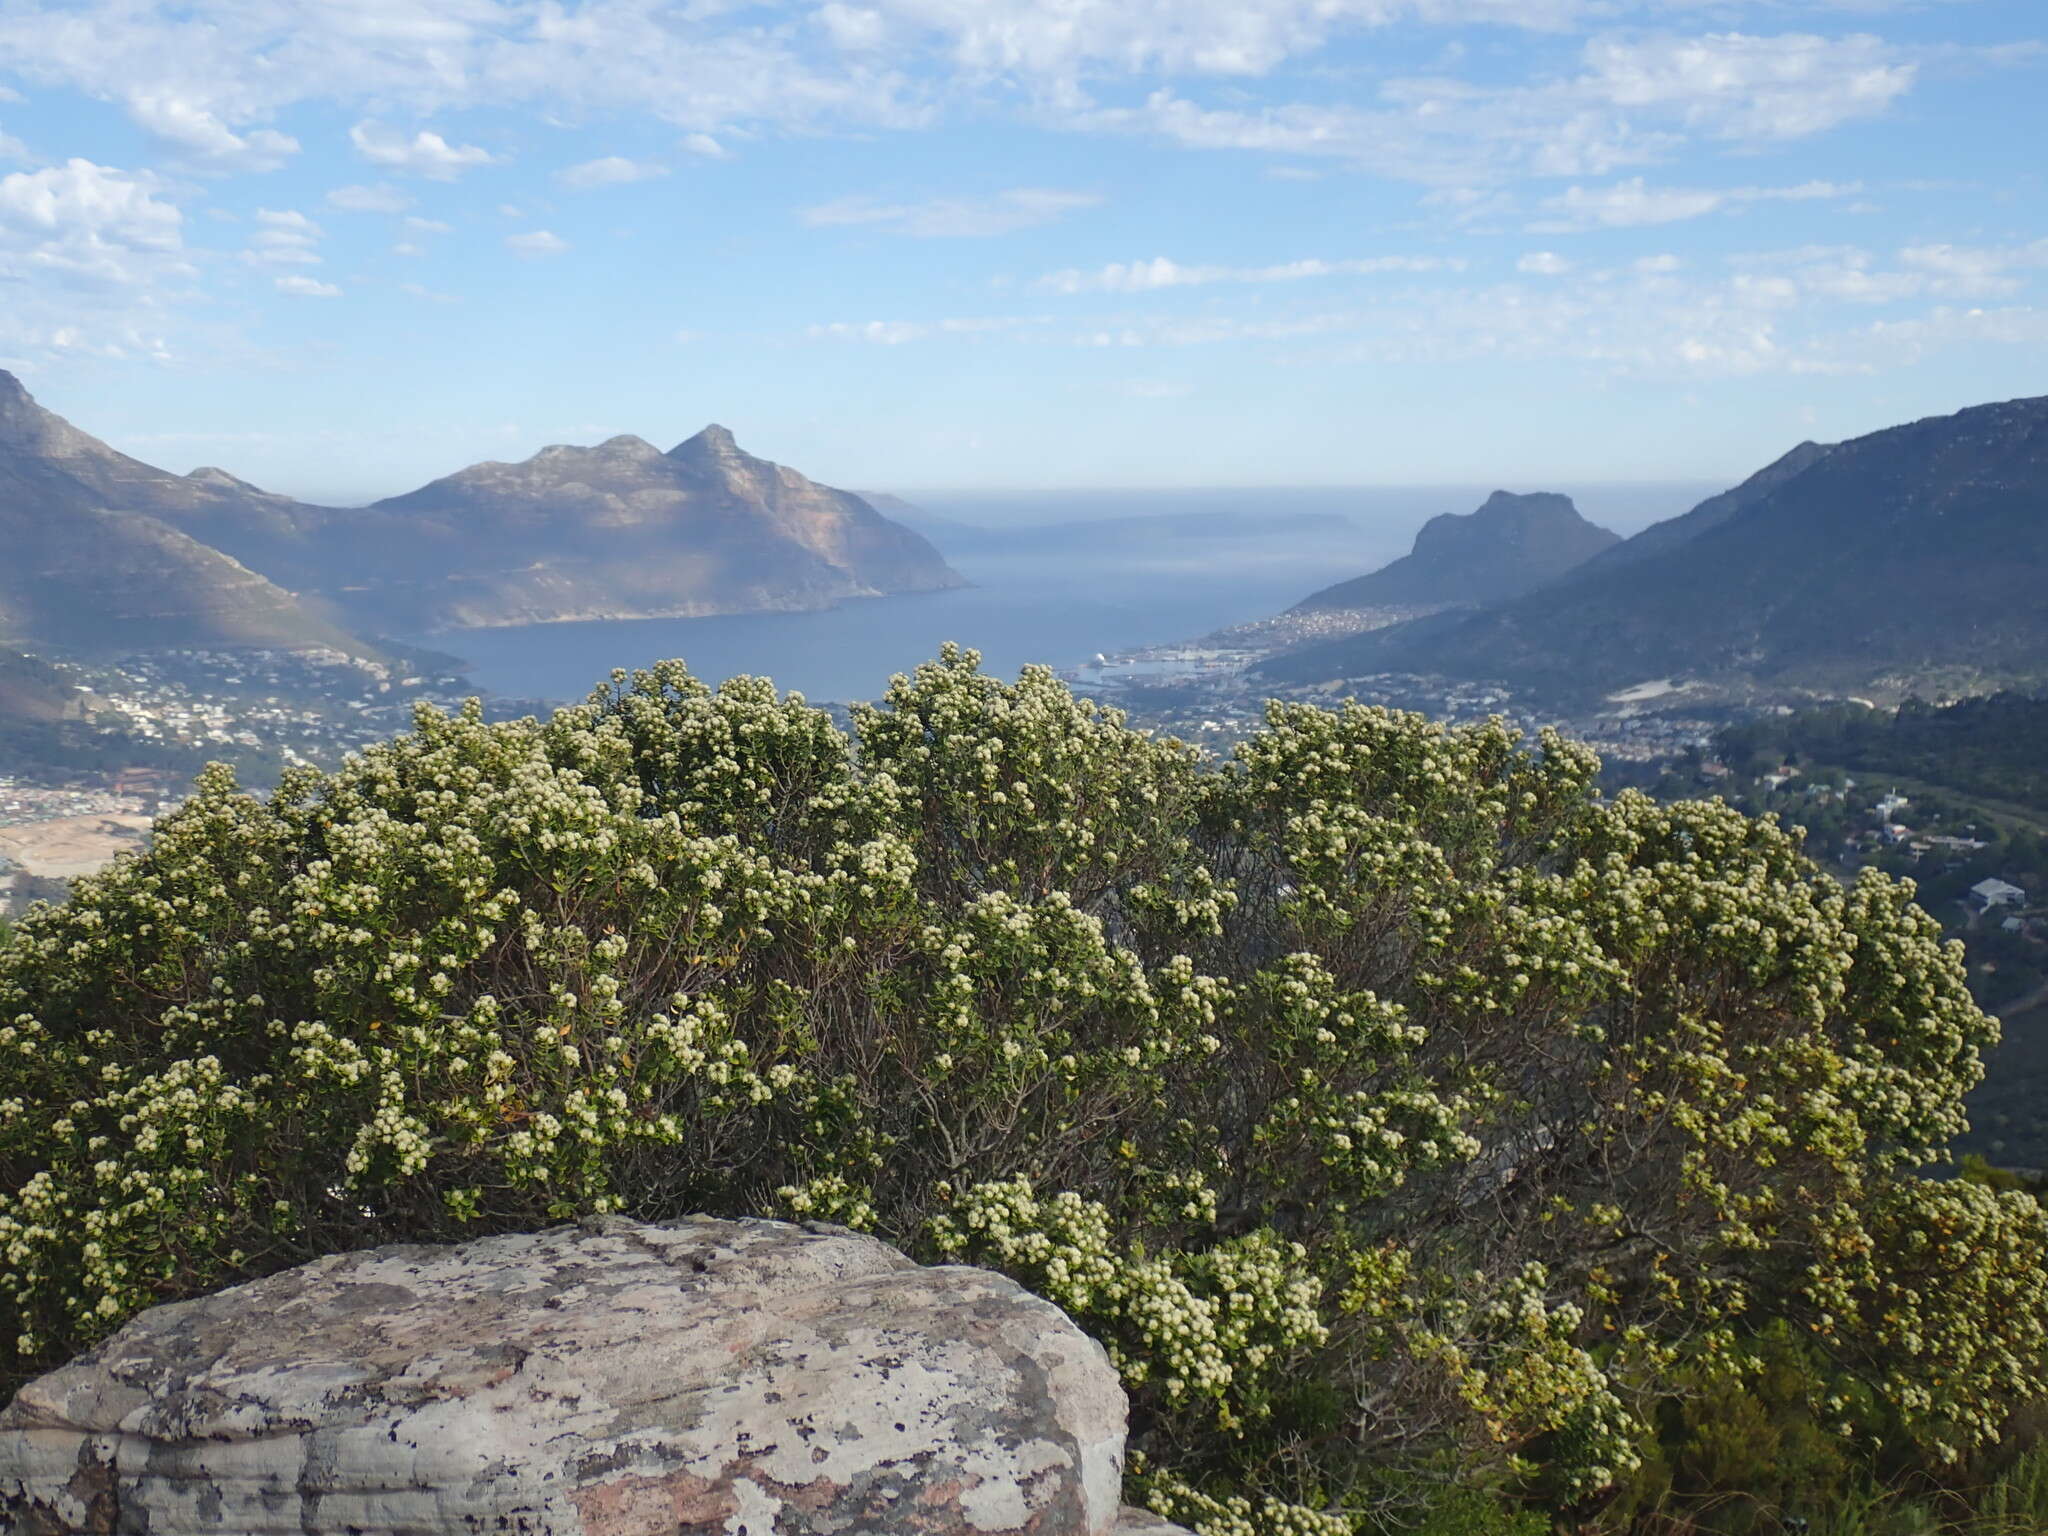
x=607 y=1379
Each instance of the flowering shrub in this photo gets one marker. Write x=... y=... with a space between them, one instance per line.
x=1382 y=1097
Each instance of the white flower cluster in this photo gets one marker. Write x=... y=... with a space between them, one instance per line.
x=1205 y=1325
x=1385 y=1076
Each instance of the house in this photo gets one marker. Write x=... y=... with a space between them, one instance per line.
x=1997 y=893
x=1890 y=806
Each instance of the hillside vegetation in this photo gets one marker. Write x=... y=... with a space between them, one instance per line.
x=1432 y=1143
x=1994 y=745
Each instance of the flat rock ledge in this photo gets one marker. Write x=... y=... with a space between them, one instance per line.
x=749 y=1378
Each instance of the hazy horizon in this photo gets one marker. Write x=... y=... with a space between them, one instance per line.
x=1612 y=502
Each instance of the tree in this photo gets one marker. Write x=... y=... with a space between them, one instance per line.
x=1382 y=1099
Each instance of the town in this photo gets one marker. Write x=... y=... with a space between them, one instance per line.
x=78 y=791
x=1205 y=691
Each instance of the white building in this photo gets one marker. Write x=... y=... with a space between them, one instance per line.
x=1998 y=893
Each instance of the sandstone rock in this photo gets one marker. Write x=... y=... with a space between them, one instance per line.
x=610 y=1379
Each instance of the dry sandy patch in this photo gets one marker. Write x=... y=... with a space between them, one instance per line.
x=69 y=846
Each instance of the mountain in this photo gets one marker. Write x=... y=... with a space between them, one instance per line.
x=1909 y=555
x=89 y=565
x=1508 y=546
x=623 y=530
x=1709 y=514
x=620 y=530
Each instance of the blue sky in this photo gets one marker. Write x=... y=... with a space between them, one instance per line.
x=341 y=248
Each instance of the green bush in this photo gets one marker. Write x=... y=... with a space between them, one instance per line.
x=1384 y=1099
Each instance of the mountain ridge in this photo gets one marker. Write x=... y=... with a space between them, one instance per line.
x=1910 y=552
x=87 y=570
x=1510 y=544
x=704 y=528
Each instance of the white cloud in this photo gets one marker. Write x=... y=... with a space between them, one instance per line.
x=192 y=128
x=92 y=263
x=1772 y=313
x=1219 y=37
x=427 y=226
x=856 y=28
x=424 y=154
x=285 y=237
x=535 y=243
x=890 y=333
x=380 y=198
x=1626 y=204
x=1631 y=102
x=1894 y=342
x=610 y=171
x=1005 y=212
x=90 y=224
x=418 y=291
x=1853 y=275
x=1961 y=271
x=1760 y=313
x=210 y=75
x=216 y=71
x=1746 y=88
x=307 y=288
x=1160 y=272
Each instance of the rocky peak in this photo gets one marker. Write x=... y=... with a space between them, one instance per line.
x=28 y=427
x=714 y=442
x=1506 y=517
x=209 y=474
x=23 y=423
x=1521 y=506
x=1511 y=543
x=624 y=448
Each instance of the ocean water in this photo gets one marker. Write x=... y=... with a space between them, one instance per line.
x=1060 y=606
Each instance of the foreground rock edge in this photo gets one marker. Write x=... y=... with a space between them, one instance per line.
x=602 y=1379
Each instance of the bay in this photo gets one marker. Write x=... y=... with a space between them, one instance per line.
x=1060 y=607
